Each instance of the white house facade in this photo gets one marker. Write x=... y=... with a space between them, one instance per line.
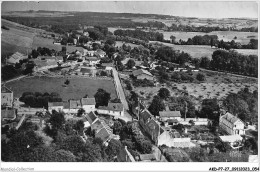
x=231 y=124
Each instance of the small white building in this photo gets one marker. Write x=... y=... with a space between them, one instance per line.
x=88 y=104
x=57 y=106
x=231 y=124
x=115 y=109
x=166 y=115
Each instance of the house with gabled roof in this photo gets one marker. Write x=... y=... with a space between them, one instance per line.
x=88 y=104
x=166 y=115
x=16 y=57
x=159 y=135
x=114 y=109
x=143 y=74
x=6 y=97
x=232 y=124
x=57 y=106
x=100 y=128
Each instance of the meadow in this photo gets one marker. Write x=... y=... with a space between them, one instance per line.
x=198 y=51
x=242 y=37
x=77 y=88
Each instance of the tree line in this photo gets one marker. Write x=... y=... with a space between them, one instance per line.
x=142 y=35
x=212 y=40
x=207 y=29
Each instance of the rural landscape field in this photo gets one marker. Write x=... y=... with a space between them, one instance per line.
x=76 y=90
x=130 y=81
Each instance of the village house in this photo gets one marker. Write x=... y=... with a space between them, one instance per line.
x=170 y=117
x=114 y=109
x=143 y=74
x=100 y=53
x=88 y=53
x=100 y=128
x=93 y=61
x=57 y=106
x=72 y=106
x=159 y=135
x=231 y=124
x=6 y=97
x=16 y=57
x=88 y=104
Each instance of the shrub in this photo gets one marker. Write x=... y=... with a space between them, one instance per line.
x=200 y=77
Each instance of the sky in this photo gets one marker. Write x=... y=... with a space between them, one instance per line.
x=202 y=9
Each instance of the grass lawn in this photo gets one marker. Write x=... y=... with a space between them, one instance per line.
x=77 y=88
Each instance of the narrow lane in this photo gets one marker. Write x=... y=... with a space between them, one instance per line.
x=119 y=89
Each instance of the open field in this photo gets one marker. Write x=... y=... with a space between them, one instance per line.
x=242 y=37
x=198 y=51
x=48 y=43
x=77 y=88
x=22 y=38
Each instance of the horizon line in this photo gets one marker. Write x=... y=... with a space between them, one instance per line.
x=136 y=13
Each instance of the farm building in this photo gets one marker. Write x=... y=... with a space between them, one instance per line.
x=166 y=115
x=115 y=109
x=231 y=124
x=6 y=97
x=16 y=57
x=143 y=74
x=160 y=136
x=88 y=104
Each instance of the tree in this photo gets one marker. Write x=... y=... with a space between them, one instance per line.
x=81 y=111
x=211 y=42
x=173 y=38
x=117 y=127
x=164 y=93
x=102 y=97
x=73 y=143
x=67 y=82
x=57 y=120
x=156 y=106
x=20 y=145
x=146 y=147
x=63 y=156
x=205 y=62
x=130 y=64
x=79 y=126
x=200 y=77
x=210 y=109
x=113 y=148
